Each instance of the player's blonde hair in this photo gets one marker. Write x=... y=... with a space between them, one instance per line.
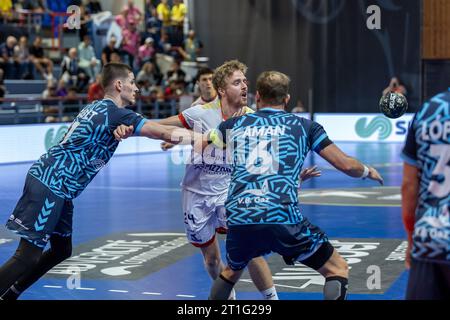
x=226 y=70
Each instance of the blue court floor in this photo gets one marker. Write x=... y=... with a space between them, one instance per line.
x=129 y=238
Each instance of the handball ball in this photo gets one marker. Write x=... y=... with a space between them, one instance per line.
x=393 y=105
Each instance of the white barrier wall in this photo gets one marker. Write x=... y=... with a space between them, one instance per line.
x=21 y=143
x=364 y=127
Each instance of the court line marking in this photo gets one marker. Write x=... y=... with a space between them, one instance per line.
x=136 y=189
x=152 y=293
x=122 y=291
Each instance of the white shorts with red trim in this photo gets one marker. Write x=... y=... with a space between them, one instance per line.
x=203 y=217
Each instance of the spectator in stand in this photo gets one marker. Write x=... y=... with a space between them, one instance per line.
x=192 y=46
x=132 y=13
x=72 y=73
x=130 y=43
x=163 y=12
x=107 y=50
x=9 y=59
x=22 y=53
x=61 y=90
x=121 y=20
x=152 y=23
x=299 y=107
x=95 y=91
x=115 y=57
x=39 y=60
x=88 y=61
x=178 y=15
x=2 y=84
x=50 y=103
x=36 y=6
x=6 y=9
x=146 y=52
x=175 y=72
x=150 y=74
x=93 y=6
x=71 y=105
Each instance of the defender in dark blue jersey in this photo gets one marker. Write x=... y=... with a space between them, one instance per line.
x=44 y=212
x=267 y=150
x=426 y=199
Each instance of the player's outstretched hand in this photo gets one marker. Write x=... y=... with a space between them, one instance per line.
x=310 y=173
x=123 y=132
x=374 y=175
x=166 y=146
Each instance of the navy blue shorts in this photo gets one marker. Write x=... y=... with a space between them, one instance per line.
x=303 y=242
x=40 y=213
x=428 y=281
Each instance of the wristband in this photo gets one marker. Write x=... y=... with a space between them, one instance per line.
x=365 y=173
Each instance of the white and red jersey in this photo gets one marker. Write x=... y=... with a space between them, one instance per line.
x=201 y=101
x=209 y=176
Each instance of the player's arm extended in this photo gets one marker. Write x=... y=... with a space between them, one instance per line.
x=172 y=121
x=154 y=130
x=348 y=165
x=410 y=193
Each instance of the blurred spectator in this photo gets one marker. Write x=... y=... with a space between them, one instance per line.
x=88 y=61
x=132 y=13
x=152 y=23
x=178 y=14
x=163 y=12
x=299 y=107
x=121 y=20
x=72 y=73
x=150 y=74
x=144 y=88
x=95 y=91
x=108 y=49
x=175 y=73
x=115 y=57
x=61 y=90
x=174 y=90
x=39 y=60
x=2 y=84
x=130 y=42
x=395 y=86
x=8 y=58
x=37 y=6
x=6 y=7
x=146 y=52
x=93 y=6
x=192 y=46
x=71 y=105
x=22 y=53
x=50 y=103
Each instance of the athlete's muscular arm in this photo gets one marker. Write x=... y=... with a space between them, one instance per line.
x=410 y=193
x=348 y=165
x=172 y=121
x=154 y=130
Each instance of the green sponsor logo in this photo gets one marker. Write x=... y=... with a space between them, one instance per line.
x=379 y=123
x=51 y=138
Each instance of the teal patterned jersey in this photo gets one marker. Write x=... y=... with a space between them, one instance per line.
x=428 y=148
x=68 y=167
x=266 y=150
